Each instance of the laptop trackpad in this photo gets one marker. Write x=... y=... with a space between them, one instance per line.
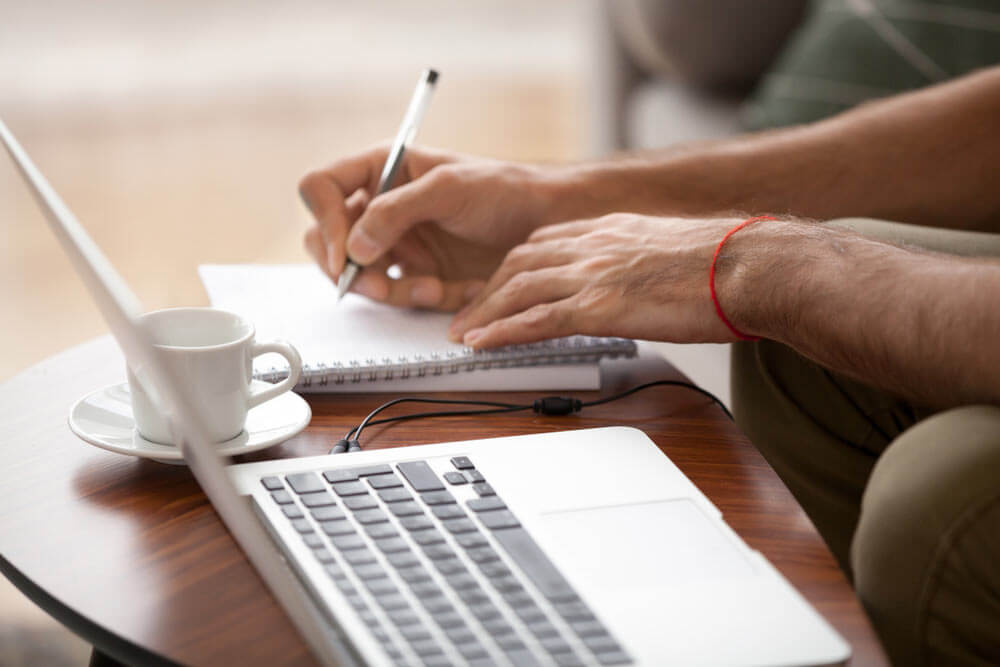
x=643 y=545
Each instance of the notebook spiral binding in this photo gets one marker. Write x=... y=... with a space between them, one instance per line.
x=571 y=350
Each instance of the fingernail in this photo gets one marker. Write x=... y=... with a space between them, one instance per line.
x=305 y=200
x=472 y=336
x=362 y=247
x=425 y=295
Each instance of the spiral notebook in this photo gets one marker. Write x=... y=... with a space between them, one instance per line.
x=362 y=346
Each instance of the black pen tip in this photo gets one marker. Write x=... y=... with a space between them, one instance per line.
x=432 y=76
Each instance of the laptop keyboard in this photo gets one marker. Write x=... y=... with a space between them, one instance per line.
x=438 y=580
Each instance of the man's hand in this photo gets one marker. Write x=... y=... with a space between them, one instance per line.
x=446 y=224
x=620 y=275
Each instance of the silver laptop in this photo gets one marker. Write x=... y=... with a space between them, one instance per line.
x=584 y=547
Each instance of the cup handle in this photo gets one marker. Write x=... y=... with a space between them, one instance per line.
x=294 y=371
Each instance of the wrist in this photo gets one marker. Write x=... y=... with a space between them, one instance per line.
x=757 y=277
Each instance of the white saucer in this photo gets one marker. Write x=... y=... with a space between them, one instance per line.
x=104 y=419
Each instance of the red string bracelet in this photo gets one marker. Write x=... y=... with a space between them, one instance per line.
x=711 y=276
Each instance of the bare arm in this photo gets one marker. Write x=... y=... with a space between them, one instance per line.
x=924 y=326
x=928 y=158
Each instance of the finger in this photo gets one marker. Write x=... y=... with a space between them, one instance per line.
x=434 y=196
x=541 y=322
x=325 y=192
x=565 y=230
x=428 y=292
x=522 y=258
x=523 y=291
x=317 y=250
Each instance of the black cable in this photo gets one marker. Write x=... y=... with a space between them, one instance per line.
x=669 y=383
x=549 y=405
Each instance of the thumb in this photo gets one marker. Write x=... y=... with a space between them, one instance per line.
x=390 y=215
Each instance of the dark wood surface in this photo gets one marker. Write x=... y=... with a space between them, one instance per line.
x=129 y=553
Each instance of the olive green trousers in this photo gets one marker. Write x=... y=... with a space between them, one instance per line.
x=908 y=500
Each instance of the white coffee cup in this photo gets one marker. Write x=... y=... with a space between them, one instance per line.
x=210 y=352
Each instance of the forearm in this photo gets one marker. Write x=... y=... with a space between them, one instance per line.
x=927 y=157
x=921 y=325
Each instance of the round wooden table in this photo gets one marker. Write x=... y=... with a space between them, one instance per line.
x=128 y=553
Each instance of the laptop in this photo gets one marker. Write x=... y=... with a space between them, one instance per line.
x=579 y=547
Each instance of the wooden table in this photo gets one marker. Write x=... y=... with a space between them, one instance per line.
x=129 y=554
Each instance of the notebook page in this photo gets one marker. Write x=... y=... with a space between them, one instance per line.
x=297 y=303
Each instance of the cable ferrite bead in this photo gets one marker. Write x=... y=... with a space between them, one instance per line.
x=557 y=405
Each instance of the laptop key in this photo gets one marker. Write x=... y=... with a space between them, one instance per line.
x=463 y=580
x=305 y=482
x=363 y=501
x=359 y=556
x=426 y=590
x=498 y=627
x=292 y=511
x=378 y=531
x=474 y=476
x=381 y=587
x=440 y=608
x=414 y=575
x=323 y=555
x=517 y=598
x=372 y=571
x=349 y=488
x=339 y=527
x=483 y=554
x=460 y=634
x=454 y=477
x=272 y=483
x=531 y=613
x=426 y=647
x=486 y=504
x=438 y=498
x=320 y=499
x=459 y=526
x=614 y=658
x=406 y=509
x=574 y=611
x=588 y=628
x=391 y=601
x=601 y=644
x=281 y=497
x=403 y=559
x=472 y=594
x=371 y=516
x=533 y=561
x=498 y=519
x=444 y=512
x=394 y=495
x=337 y=476
x=543 y=629
x=471 y=540
x=414 y=523
x=415 y=633
x=392 y=545
x=426 y=537
x=329 y=513
x=495 y=570
x=302 y=526
x=439 y=551
x=450 y=566
x=555 y=645
x=312 y=540
x=403 y=617
x=483 y=489
x=348 y=542
x=462 y=462
x=472 y=650
x=420 y=476
x=384 y=481
x=568 y=660
x=335 y=571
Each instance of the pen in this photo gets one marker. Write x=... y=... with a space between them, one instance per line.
x=407 y=131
